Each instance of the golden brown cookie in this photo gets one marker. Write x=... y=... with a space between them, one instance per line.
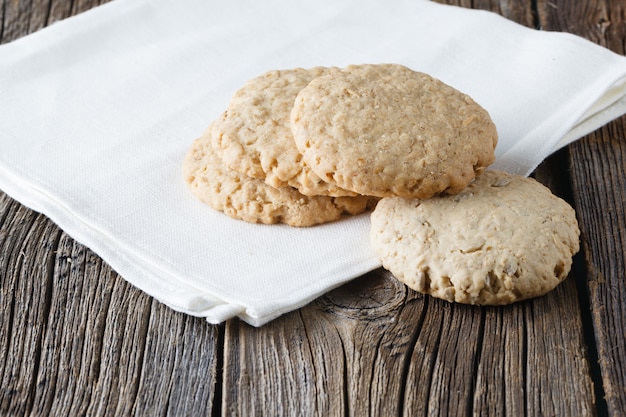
x=385 y=130
x=504 y=238
x=254 y=201
x=254 y=137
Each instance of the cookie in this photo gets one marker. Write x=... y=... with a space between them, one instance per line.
x=252 y=199
x=504 y=238
x=254 y=137
x=385 y=130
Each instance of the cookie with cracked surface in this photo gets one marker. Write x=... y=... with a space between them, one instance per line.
x=253 y=135
x=504 y=238
x=254 y=201
x=386 y=130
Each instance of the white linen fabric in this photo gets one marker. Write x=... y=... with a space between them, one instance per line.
x=98 y=111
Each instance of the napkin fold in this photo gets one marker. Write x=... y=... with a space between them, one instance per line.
x=97 y=112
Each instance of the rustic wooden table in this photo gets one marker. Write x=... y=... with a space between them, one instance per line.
x=75 y=338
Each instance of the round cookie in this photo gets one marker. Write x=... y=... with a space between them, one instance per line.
x=253 y=135
x=385 y=130
x=252 y=199
x=503 y=239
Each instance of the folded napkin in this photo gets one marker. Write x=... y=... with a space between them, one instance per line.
x=97 y=112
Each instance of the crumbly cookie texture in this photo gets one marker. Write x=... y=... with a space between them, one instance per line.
x=252 y=199
x=253 y=136
x=385 y=130
x=504 y=238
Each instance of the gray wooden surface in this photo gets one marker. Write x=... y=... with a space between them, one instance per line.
x=76 y=339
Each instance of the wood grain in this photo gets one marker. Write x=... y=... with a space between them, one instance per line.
x=77 y=339
x=598 y=172
x=390 y=351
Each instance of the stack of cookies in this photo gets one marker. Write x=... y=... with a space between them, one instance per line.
x=247 y=165
x=304 y=146
x=307 y=146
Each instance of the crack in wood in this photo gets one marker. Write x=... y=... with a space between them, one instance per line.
x=408 y=359
x=216 y=406
x=476 y=360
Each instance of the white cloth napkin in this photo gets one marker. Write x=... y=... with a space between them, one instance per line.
x=97 y=112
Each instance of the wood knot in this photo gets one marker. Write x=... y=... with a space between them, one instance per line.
x=371 y=296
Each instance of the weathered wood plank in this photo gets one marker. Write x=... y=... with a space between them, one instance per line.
x=602 y=209
x=502 y=361
x=38 y=15
x=441 y=376
x=501 y=372
x=59 y=10
x=27 y=250
x=15 y=19
x=518 y=11
x=21 y=17
x=69 y=362
x=598 y=170
x=75 y=338
x=344 y=354
x=390 y=351
x=377 y=319
x=558 y=378
x=180 y=366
